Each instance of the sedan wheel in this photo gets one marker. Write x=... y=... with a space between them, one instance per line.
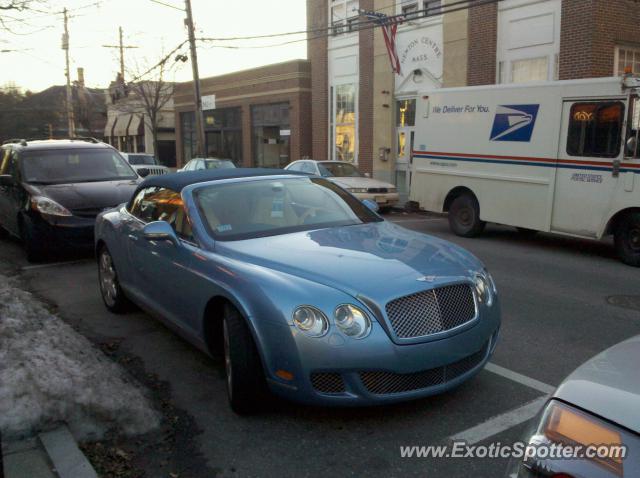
x=112 y=294
x=246 y=385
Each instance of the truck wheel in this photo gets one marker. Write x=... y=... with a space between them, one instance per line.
x=33 y=245
x=246 y=385
x=627 y=238
x=464 y=216
x=110 y=290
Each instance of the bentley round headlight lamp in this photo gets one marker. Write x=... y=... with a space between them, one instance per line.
x=352 y=321
x=310 y=321
x=484 y=290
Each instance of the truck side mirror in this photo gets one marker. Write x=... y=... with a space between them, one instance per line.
x=631 y=147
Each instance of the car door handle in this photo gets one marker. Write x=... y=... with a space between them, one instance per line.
x=133 y=237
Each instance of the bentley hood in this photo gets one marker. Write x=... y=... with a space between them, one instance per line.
x=379 y=260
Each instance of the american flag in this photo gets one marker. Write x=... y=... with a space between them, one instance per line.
x=389 y=30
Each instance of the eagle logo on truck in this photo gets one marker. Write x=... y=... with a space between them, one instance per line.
x=514 y=122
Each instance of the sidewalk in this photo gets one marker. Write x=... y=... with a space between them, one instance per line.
x=53 y=454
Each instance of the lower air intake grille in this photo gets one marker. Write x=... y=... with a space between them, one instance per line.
x=384 y=383
x=327 y=382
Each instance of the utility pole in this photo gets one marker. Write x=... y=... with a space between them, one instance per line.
x=121 y=47
x=196 y=83
x=65 y=47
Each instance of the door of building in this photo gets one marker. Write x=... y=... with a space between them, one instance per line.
x=405 y=133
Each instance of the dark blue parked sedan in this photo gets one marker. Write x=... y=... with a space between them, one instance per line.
x=305 y=290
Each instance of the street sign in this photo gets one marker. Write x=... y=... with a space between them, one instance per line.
x=208 y=102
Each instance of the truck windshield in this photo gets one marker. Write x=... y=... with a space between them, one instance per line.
x=74 y=166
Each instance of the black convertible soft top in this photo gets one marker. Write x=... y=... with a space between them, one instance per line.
x=178 y=181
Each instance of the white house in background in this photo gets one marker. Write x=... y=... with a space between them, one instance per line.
x=129 y=129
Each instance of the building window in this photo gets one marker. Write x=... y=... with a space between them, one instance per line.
x=412 y=9
x=140 y=144
x=405 y=113
x=595 y=129
x=345 y=123
x=223 y=134
x=271 y=135
x=627 y=58
x=531 y=69
x=343 y=15
x=432 y=7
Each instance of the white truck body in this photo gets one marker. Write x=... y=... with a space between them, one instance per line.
x=547 y=156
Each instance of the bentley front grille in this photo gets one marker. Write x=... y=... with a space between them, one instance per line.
x=431 y=311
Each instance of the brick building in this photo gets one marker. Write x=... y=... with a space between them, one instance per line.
x=364 y=113
x=258 y=117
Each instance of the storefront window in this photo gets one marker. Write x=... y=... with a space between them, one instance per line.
x=271 y=135
x=223 y=134
x=345 y=134
x=405 y=113
x=187 y=126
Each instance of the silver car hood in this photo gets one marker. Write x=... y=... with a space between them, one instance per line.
x=608 y=385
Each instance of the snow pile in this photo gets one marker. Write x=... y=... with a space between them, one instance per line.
x=49 y=373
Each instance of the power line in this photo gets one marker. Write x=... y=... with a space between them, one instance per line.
x=354 y=26
x=167 y=5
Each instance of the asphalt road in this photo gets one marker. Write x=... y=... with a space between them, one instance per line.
x=556 y=296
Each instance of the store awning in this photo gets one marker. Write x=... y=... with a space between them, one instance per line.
x=111 y=122
x=122 y=125
x=135 y=127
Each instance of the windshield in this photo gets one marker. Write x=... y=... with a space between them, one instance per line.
x=74 y=166
x=219 y=164
x=268 y=207
x=142 y=159
x=340 y=170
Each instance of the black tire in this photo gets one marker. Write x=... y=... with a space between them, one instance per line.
x=464 y=216
x=246 y=385
x=33 y=245
x=384 y=210
x=112 y=294
x=526 y=233
x=627 y=238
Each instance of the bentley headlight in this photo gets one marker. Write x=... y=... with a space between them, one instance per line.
x=48 y=207
x=310 y=321
x=485 y=288
x=352 y=321
x=358 y=190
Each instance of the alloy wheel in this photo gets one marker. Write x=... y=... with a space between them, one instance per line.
x=108 y=279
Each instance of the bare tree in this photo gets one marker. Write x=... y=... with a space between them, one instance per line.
x=151 y=96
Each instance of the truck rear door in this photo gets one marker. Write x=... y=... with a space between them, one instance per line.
x=589 y=157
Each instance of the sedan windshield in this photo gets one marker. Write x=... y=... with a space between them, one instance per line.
x=142 y=159
x=340 y=170
x=268 y=207
x=74 y=166
x=219 y=164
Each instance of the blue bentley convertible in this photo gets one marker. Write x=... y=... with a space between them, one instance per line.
x=304 y=289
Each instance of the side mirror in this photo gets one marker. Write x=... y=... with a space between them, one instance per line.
x=6 y=180
x=371 y=204
x=160 y=231
x=631 y=147
x=143 y=172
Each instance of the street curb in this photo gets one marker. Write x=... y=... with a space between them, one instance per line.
x=63 y=451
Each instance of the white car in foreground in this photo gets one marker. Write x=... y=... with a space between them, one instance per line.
x=143 y=162
x=347 y=175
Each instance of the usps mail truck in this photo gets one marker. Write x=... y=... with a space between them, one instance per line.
x=559 y=156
